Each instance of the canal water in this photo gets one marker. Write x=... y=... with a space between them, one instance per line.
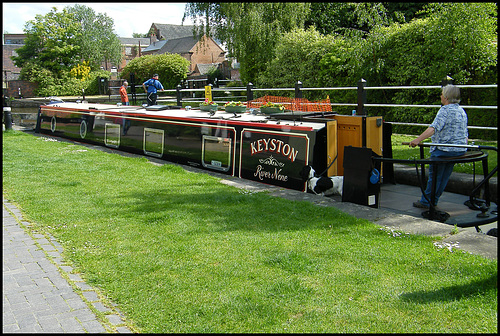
x=24 y=116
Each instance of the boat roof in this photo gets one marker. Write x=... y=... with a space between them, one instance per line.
x=166 y=111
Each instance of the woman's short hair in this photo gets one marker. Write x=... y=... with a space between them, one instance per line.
x=452 y=93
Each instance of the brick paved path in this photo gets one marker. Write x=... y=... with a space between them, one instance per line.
x=36 y=297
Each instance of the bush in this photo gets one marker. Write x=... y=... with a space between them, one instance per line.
x=63 y=87
x=171 y=68
x=51 y=85
x=92 y=87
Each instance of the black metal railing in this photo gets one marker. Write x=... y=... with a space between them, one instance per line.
x=182 y=95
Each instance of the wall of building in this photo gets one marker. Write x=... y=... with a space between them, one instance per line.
x=20 y=86
x=206 y=52
x=9 y=70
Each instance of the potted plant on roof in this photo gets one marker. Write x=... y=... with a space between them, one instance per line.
x=235 y=107
x=209 y=106
x=270 y=108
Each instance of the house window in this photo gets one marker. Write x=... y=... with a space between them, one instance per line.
x=128 y=51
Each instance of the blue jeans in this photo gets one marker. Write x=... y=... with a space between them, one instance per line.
x=442 y=174
x=151 y=97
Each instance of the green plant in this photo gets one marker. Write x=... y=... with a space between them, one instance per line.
x=208 y=103
x=274 y=105
x=232 y=103
x=93 y=81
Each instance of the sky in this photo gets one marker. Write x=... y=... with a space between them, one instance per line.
x=129 y=17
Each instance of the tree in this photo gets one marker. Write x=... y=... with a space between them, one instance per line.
x=455 y=39
x=330 y=17
x=404 y=12
x=51 y=42
x=297 y=57
x=348 y=18
x=61 y=40
x=249 y=30
x=63 y=50
x=98 y=42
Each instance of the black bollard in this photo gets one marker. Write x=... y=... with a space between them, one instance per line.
x=7 y=117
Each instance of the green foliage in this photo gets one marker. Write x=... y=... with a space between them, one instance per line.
x=309 y=46
x=35 y=73
x=63 y=87
x=425 y=51
x=50 y=85
x=61 y=49
x=455 y=39
x=171 y=68
x=330 y=17
x=213 y=73
x=98 y=41
x=350 y=18
x=51 y=42
x=92 y=87
x=249 y=29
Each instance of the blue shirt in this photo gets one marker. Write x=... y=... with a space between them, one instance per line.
x=450 y=127
x=153 y=85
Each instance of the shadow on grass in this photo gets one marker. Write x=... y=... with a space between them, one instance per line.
x=234 y=209
x=452 y=293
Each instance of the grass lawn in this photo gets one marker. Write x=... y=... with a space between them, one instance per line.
x=181 y=252
x=400 y=151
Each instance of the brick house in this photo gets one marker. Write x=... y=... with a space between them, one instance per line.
x=132 y=48
x=11 y=42
x=202 y=52
x=11 y=85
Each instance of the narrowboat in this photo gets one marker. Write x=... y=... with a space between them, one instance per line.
x=270 y=149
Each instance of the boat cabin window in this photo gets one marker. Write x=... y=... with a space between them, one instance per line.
x=153 y=142
x=216 y=152
x=112 y=135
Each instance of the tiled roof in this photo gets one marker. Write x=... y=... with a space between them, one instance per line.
x=179 y=45
x=134 y=41
x=155 y=46
x=170 y=31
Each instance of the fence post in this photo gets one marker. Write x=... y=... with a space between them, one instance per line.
x=249 y=92
x=387 y=167
x=179 y=95
x=132 y=87
x=447 y=80
x=101 y=85
x=361 y=110
x=7 y=117
x=298 y=86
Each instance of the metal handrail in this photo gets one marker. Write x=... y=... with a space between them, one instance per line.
x=299 y=88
